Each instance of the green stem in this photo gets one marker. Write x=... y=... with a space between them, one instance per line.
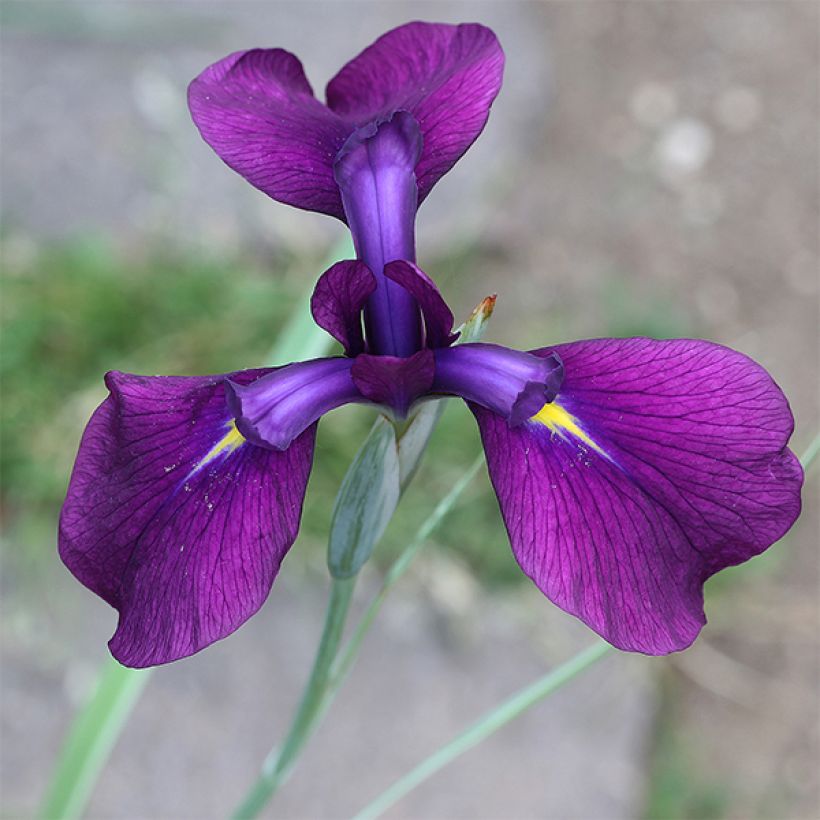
x=502 y=714
x=491 y=722
x=91 y=740
x=344 y=661
x=279 y=763
x=810 y=453
x=331 y=666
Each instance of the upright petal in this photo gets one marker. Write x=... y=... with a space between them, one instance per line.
x=173 y=518
x=658 y=464
x=438 y=318
x=446 y=76
x=338 y=300
x=375 y=174
x=257 y=111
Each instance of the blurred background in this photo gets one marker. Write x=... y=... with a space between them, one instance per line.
x=649 y=168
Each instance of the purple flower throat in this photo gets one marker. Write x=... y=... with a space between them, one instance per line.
x=375 y=171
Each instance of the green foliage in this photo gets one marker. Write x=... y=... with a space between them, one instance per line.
x=72 y=312
x=91 y=739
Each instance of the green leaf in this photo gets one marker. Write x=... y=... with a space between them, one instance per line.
x=366 y=501
x=487 y=725
x=301 y=338
x=91 y=739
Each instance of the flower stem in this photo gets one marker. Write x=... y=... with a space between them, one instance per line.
x=501 y=715
x=278 y=765
x=331 y=667
x=345 y=659
x=810 y=453
x=491 y=722
x=90 y=741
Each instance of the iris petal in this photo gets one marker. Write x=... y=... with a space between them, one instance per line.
x=279 y=407
x=338 y=300
x=392 y=381
x=446 y=76
x=512 y=384
x=173 y=518
x=374 y=171
x=438 y=318
x=257 y=111
x=658 y=464
x=256 y=108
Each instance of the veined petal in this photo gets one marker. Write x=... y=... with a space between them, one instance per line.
x=438 y=318
x=256 y=109
x=446 y=76
x=658 y=464
x=338 y=300
x=173 y=518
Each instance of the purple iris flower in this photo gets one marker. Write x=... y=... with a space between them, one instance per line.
x=628 y=471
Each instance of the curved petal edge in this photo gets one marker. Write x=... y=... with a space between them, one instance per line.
x=173 y=518
x=446 y=76
x=658 y=464
x=257 y=111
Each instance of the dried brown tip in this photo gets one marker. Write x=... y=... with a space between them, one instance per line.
x=485 y=307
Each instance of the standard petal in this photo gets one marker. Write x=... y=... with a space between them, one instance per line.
x=658 y=464
x=257 y=111
x=173 y=518
x=446 y=76
x=338 y=300
x=438 y=318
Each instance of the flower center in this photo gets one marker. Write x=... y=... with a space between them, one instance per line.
x=375 y=172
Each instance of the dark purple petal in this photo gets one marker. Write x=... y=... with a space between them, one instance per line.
x=338 y=300
x=173 y=518
x=375 y=175
x=446 y=76
x=394 y=382
x=514 y=385
x=257 y=111
x=659 y=464
x=438 y=318
x=274 y=410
